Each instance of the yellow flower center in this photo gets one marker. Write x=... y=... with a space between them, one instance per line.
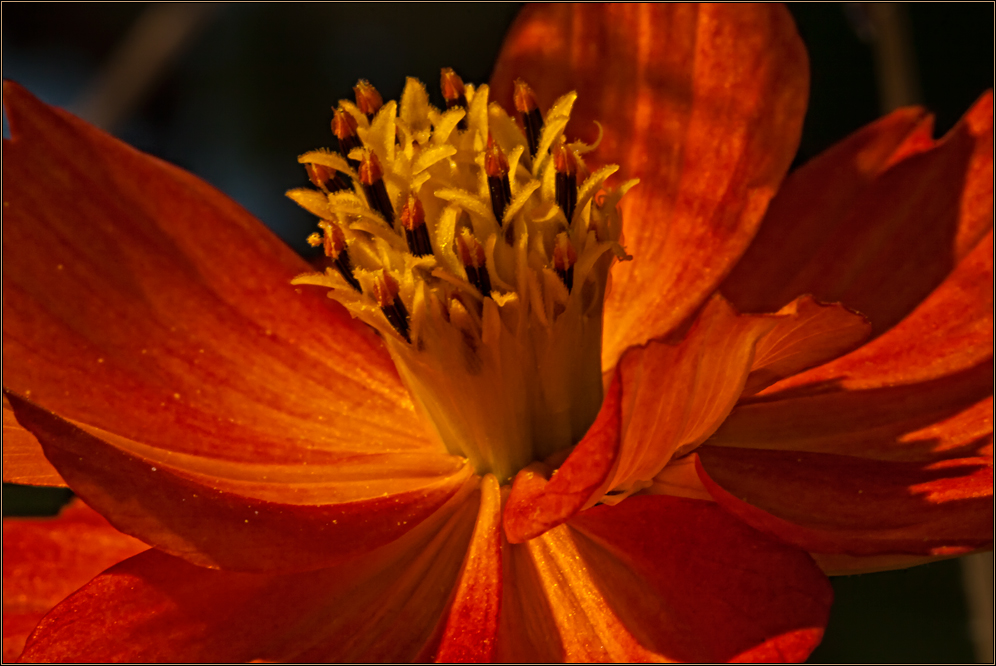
x=470 y=246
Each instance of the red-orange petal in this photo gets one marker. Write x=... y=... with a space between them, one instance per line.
x=670 y=83
x=250 y=517
x=157 y=608
x=920 y=392
x=829 y=503
x=46 y=560
x=806 y=334
x=878 y=239
x=665 y=397
x=662 y=578
x=471 y=624
x=23 y=459
x=140 y=300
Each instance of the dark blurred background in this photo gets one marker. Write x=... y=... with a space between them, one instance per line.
x=234 y=93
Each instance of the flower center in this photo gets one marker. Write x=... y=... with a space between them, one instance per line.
x=470 y=246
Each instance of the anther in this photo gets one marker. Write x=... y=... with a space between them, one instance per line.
x=416 y=232
x=385 y=292
x=532 y=119
x=566 y=181
x=367 y=98
x=344 y=128
x=453 y=93
x=326 y=179
x=564 y=258
x=472 y=256
x=372 y=179
x=496 y=168
x=334 y=244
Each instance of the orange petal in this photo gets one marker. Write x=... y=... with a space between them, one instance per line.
x=153 y=607
x=921 y=392
x=841 y=504
x=46 y=560
x=248 y=516
x=671 y=83
x=140 y=300
x=808 y=333
x=471 y=625
x=23 y=459
x=662 y=578
x=888 y=239
x=664 y=398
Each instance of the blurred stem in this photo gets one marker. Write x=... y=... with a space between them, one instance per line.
x=895 y=60
x=977 y=572
x=155 y=40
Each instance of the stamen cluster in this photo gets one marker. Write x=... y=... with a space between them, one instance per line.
x=468 y=244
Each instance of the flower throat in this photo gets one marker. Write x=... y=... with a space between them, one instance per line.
x=480 y=250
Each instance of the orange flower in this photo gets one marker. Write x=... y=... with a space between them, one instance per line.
x=261 y=440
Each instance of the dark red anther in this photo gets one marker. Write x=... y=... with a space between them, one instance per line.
x=472 y=256
x=367 y=98
x=344 y=128
x=385 y=292
x=564 y=258
x=453 y=93
x=416 y=231
x=566 y=180
x=532 y=119
x=333 y=241
x=326 y=179
x=372 y=179
x=496 y=168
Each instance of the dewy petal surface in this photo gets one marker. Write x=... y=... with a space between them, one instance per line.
x=665 y=81
x=877 y=221
x=139 y=300
x=661 y=578
x=378 y=608
x=45 y=560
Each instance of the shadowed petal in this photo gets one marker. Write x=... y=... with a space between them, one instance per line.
x=889 y=227
x=154 y=607
x=666 y=80
x=45 y=560
x=840 y=504
x=663 y=578
x=245 y=516
x=140 y=300
x=23 y=458
x=923 y=391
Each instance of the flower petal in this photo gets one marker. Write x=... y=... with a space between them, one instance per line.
x=663 y=578
x=829 y=503
x=704 y=104
x=23 y=459
x=140 y=300
x=154 y=607
x=813 y=200
x=249 y=517
x=887 y=230
x=807 y=334
x=471 y=625
x=46 y=560
x=921 y=392
x=643 y=419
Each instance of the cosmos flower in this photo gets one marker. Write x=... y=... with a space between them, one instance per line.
x=670 y=478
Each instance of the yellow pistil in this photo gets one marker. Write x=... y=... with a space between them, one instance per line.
x=488 y=287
